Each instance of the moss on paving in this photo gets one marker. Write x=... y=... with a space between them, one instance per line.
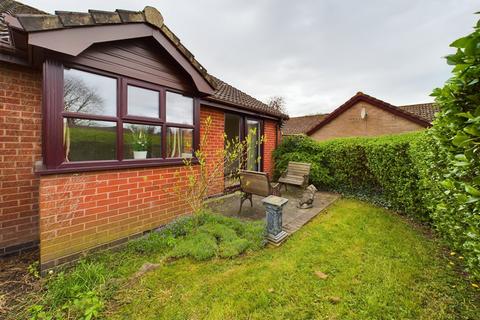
x=378 y=267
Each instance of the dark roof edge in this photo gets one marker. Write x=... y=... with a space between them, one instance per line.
x=219 y=103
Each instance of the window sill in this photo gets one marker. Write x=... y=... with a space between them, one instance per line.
x=111 y=165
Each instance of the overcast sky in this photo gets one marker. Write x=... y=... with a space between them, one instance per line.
x=314 y=53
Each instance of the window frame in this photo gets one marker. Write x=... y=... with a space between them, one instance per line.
x=53 y=111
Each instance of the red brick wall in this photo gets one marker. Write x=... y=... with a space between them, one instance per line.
x=85 y=210
x=20 y=147
x=214 y=144
x=270 y=143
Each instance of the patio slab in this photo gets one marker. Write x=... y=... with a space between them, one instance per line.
x=293 y=217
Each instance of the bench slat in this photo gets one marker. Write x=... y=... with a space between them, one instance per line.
x=255 y=183
x=296 y=171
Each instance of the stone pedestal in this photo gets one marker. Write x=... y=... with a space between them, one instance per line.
x=274 y=206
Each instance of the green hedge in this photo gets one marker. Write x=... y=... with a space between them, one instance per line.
x=375 y=168
x=451 y=174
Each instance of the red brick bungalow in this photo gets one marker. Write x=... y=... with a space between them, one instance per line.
x=76 y=91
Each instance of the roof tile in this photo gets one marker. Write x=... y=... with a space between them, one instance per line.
x=70 y=19
x=423 y=110
x=229 y=94
x=128 y=16
x=301 y=125
x=105 y=17
x=34 y=22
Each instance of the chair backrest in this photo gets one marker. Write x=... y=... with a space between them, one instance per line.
x=298 y=168
x=254 y=182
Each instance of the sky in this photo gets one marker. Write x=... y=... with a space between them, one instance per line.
x=314 y=53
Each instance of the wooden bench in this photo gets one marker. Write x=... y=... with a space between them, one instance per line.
x=297 y=174
x=258 y=183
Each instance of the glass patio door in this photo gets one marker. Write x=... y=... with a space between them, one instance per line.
x=253 y=148
x=237 y=128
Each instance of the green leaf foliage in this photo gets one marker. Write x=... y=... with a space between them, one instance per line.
x=452 y=172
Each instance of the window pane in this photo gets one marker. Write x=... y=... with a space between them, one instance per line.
x=179 y=143
x=179 y=108
x=143 y=102
x=253 y=148
x=141 y=141
x=87 y=140
x=90 y=93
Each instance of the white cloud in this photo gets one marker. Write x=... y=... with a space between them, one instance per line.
x=314 y=53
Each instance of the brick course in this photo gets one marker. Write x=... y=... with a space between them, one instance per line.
x=20 y=148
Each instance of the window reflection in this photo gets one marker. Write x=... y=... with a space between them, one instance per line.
x=179 y=143
x=86 y=92
x=179 y=108
x=143 y=102
x=85 y=140
x=253 y=148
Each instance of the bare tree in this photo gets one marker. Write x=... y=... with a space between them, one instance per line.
x=79 y=97
x=277 y=103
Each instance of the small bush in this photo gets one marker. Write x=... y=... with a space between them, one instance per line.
x=200 y=246
x=219 y=236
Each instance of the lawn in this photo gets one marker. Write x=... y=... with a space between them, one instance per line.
x=377 y=266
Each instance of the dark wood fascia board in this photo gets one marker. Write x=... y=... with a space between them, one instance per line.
x=210 y=102
x=375 y=102
x=14 y=58
x=202 y=85
x=74 y=41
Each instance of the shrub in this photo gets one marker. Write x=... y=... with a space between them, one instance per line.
x=380 y=168
x=453 y=173
x=219 y=236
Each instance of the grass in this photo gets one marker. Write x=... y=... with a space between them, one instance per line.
x=378 y=267
x=81 y=293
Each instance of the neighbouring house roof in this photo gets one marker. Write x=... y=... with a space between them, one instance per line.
x=423 y=110
x=301 y=125
x=421 y=114
x=31 y=20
